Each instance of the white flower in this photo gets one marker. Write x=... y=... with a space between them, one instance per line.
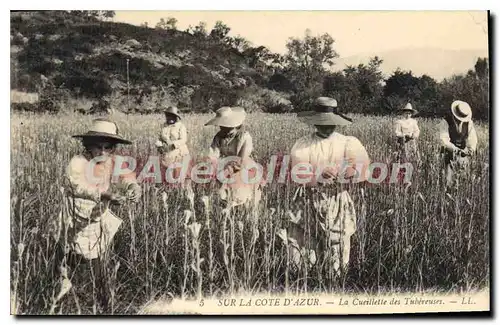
x=20 y=249
x=195 y=229
x=295 y=218
x=206 y=200
x=283 y=235
x=187 y=216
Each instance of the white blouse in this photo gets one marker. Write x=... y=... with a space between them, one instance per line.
x=343 y=153
x=174 y=135
x=407 y=127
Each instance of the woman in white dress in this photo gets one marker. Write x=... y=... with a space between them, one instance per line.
x=336 y=162
x=86 y=226
x=407 y=133
x=234 y=143
x=172 y=142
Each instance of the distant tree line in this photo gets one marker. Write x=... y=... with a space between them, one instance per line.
x=363 y=89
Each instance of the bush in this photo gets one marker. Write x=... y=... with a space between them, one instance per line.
x=258 y=99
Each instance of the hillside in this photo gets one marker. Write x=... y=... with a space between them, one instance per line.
x=87 y=57
x=434 y=62
x=79 y=60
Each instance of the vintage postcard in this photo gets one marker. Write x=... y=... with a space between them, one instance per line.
x=249 y=162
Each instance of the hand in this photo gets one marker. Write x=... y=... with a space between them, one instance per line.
x=236 y=166
x=233 y=167
x=328 y=173
x=133 y=192
x=464 y=152
x=117 y=199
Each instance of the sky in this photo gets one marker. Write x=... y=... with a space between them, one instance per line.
x=354 y=32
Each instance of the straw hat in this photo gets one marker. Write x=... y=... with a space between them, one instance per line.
x=172 y=110
x=228 y=117
x=461 y=111
x=103 y=129
x=408 y=108
x=324 y=113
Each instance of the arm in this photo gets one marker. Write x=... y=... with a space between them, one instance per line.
x=300 y=154
x=165 y=135
x=246 y=147
x=444 y=137
x=79 y=182
x=398 y=130
x=472 y=140
x=213 y=151
x=416 y=131
x=182 y=137
x=129 y=183
x=357 y=159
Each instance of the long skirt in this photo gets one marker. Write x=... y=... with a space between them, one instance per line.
x=245 y=189
x=455 y=166
x=173 y=156
x=408 y=151
x=89 y=237
x=83 y=241
x=325 y=231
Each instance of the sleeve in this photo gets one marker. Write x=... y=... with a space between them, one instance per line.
x=246 y=146
x=444 y=136
x=182 y=137
x=416 y=130
x=214 y=151
x=472 y=139
x=300 y=154
x=397 y=129
x=357 y=160
x=128 y=183
x=79 y=183
x=165 y=135
x=296 y=156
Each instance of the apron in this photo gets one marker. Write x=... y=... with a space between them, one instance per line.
x=326 y=229
x=90 y=238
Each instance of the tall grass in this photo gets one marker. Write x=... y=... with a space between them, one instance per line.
x=408 y=238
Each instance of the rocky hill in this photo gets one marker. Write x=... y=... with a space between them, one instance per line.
x=137 y=68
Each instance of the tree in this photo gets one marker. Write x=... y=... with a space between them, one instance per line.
x=422 y=92
x=201 y=29
x=239 y=43
x=306 y=62
x=220 y=31
x=359 y=88
x=470 y=88
x=481 y=68
x=108 y=14
x=169 y=24
x=172 y=23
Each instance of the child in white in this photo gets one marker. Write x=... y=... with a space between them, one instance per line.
x=407 y=133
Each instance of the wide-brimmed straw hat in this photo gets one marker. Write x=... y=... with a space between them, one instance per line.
x=103 y=129
x=172 y=110
x=324 y=112
x=408 y=108
x=461 y=111
x=228 y=117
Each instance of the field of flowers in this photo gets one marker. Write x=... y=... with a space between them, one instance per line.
x=409 y=238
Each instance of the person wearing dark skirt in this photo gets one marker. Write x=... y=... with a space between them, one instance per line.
x=458 y=139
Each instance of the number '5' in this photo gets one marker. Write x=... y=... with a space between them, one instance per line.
x=202 y=303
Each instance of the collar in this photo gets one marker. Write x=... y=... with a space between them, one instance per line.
x=331 y=136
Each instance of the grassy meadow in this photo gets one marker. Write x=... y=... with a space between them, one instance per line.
x=414 y=238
